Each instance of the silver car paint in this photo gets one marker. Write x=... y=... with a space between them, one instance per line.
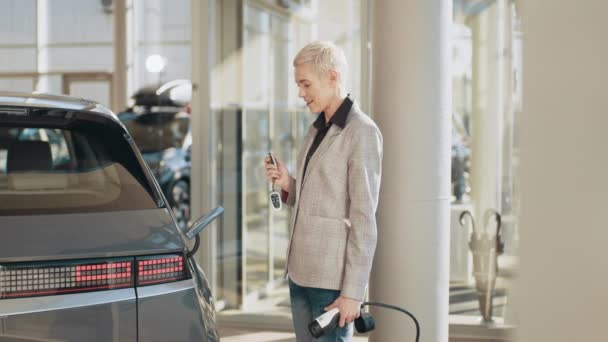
x=88 y=235
x=20 y=306
x=170 y=313
x=113 y=321
x=53 y=101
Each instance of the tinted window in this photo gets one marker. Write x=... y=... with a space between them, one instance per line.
x=86 y=168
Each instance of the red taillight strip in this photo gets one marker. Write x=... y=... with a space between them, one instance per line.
x=31 y=280
x=160 y=270
x=43 y=279
x=103 y=271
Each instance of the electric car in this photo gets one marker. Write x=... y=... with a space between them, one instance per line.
x=89 y=247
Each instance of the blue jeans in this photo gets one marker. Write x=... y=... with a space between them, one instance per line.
x=307 y=303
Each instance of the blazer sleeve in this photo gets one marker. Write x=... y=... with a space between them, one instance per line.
x=289 y=198
x=364 y=173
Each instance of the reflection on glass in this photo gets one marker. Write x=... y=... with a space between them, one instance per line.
x=256 y=138
x=270 y=123
x=485 y=85
x=259 y=114
x=255 y=223
x=158 y=131
x=283 y=144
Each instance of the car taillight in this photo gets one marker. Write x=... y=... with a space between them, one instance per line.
x=19 y=280
x=32 y=280
x=160 y=269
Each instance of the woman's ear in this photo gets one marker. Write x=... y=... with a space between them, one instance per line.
x=334 y=77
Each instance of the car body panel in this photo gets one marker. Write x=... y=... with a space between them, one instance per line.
x=53 y=101
x=169 y=310
x=98 y=235
x=108 y=316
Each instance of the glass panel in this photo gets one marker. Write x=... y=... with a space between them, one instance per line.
x=486 y=84
x=255 y=198
x=47 y=171
x=258 y=110
x=177 y=58
x=229 y=180
x=163 y=20
x=161 y=28
x=255 y=146
x=158 y=131
x=283 y=140
x=256 y=62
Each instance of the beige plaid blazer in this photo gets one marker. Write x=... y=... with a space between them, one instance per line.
x=333 y=227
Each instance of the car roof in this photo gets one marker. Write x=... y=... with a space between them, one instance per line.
x=176 y=93
x=31 y=100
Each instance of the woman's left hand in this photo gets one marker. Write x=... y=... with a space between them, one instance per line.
x=349 y=308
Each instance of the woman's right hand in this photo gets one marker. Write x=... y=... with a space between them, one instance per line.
x=277 y=173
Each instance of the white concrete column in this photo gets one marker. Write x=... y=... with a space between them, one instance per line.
x=131 y=48
x=561 y=290
x=119 y=86
x=366 y=56
x=488 y=109
x=412 y=102
x=202 y=190
x=42 y=40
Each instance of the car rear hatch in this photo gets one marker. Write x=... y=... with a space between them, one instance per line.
x=83 y=231
x=106 y=277
x=89 y=235
x=68 y=277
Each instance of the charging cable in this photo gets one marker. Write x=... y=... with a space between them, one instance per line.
x=365 y=323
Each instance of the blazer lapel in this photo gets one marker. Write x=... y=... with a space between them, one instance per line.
x=334 y=131
x=310 y=136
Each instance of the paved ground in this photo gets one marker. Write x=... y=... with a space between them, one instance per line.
x=248 y=335
x=270 y=319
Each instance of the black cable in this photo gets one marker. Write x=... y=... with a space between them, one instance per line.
x=197 y=243
x=397 y=309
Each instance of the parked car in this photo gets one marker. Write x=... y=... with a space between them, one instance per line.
x=159 y=122
x=89 y=247
x=461 y=155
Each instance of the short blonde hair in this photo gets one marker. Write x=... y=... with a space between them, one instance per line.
x=324 y=56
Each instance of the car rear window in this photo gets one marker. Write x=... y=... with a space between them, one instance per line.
x=84 y=168
x=158 y=131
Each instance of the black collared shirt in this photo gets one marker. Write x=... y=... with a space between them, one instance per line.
x=339 y=118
